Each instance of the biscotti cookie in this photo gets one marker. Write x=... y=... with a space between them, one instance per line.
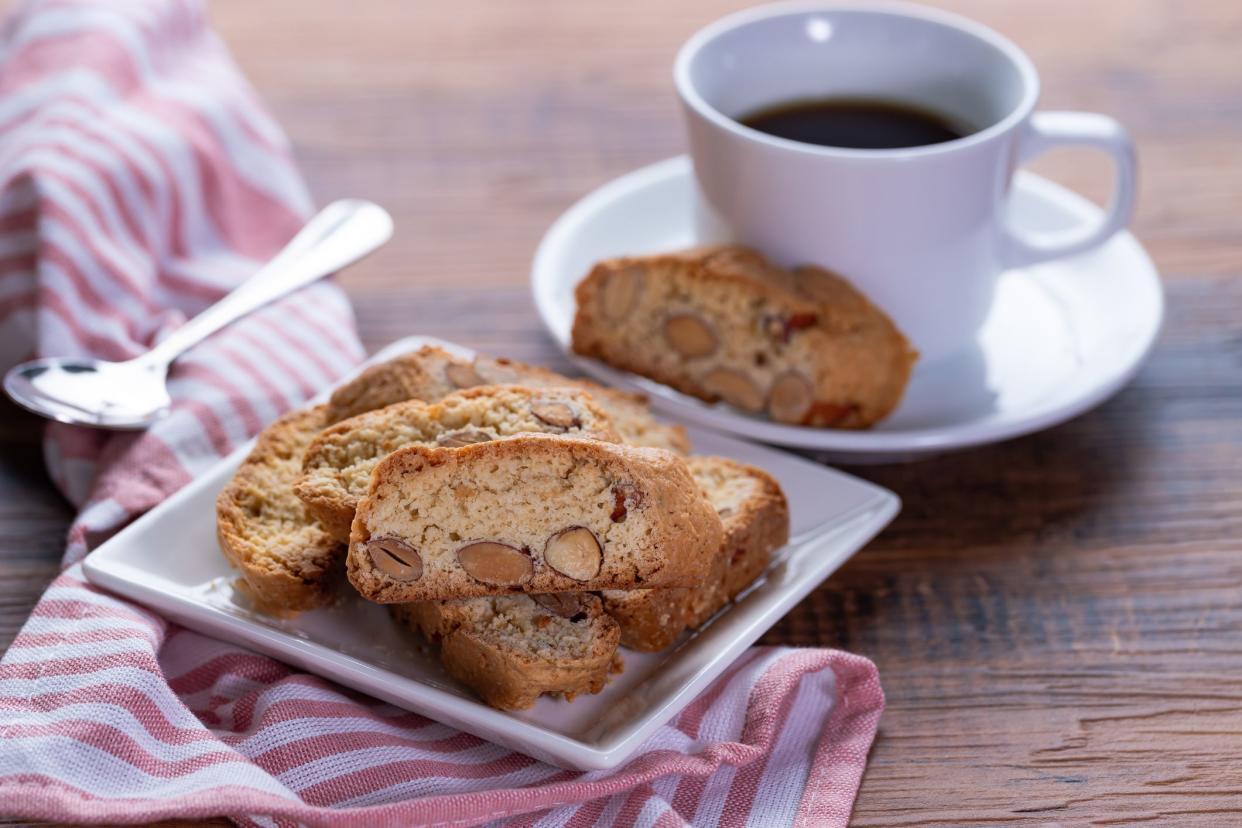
x=286 y=557
x=510 y=649
x=536 y=513
x=650 y=619
x=722 y=323
x=426 y=374
x=629 y=411
x=430 y=373
x=337 y=466
x=755 y=515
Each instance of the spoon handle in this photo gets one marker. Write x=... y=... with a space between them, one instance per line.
x=341 y=234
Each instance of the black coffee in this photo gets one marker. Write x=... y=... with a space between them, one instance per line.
x=858 y=123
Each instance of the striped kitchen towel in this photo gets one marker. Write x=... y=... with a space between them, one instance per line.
x=139 y=181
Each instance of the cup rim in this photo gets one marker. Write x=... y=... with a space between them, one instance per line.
x=695 y=44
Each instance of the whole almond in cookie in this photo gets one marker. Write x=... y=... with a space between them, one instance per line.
x=554 y=413
x=621 y=292
x=496 y=563
x=790 y=397
x=574 y=552
x=395 y=558
x=735 y=388
x=690 y=336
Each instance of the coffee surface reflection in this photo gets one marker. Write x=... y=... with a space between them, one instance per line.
x=856 y=123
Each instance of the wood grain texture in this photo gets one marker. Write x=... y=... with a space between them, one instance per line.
x=1056 y=619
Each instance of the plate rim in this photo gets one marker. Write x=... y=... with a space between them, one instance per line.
x=863 y=443
x=108 y=568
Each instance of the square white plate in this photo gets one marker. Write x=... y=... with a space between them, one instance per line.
x=169 y=560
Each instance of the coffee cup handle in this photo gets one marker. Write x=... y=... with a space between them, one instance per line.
x=1046 y=130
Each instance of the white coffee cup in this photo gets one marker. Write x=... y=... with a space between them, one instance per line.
x=923 y=231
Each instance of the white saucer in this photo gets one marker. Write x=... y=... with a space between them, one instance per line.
x=1062 y=338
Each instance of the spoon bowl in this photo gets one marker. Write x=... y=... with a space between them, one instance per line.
x=84 y=391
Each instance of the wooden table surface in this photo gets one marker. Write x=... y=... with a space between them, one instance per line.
x=1058 y=619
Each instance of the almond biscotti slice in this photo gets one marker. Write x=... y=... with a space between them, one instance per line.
x=723 y=323
x=510 y=649
x=287 y=559
x=535 y=513
x=629 y=411
x=431 y=373
x=426 y=374
x=755 y=515
x=337 y=466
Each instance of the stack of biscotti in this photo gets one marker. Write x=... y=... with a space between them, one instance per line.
x=492 y=549
x=527 y=523
x=722 y=323
x=290 y=551
x=579 y=633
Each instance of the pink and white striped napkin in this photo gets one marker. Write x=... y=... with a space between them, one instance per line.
x=139 y=180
